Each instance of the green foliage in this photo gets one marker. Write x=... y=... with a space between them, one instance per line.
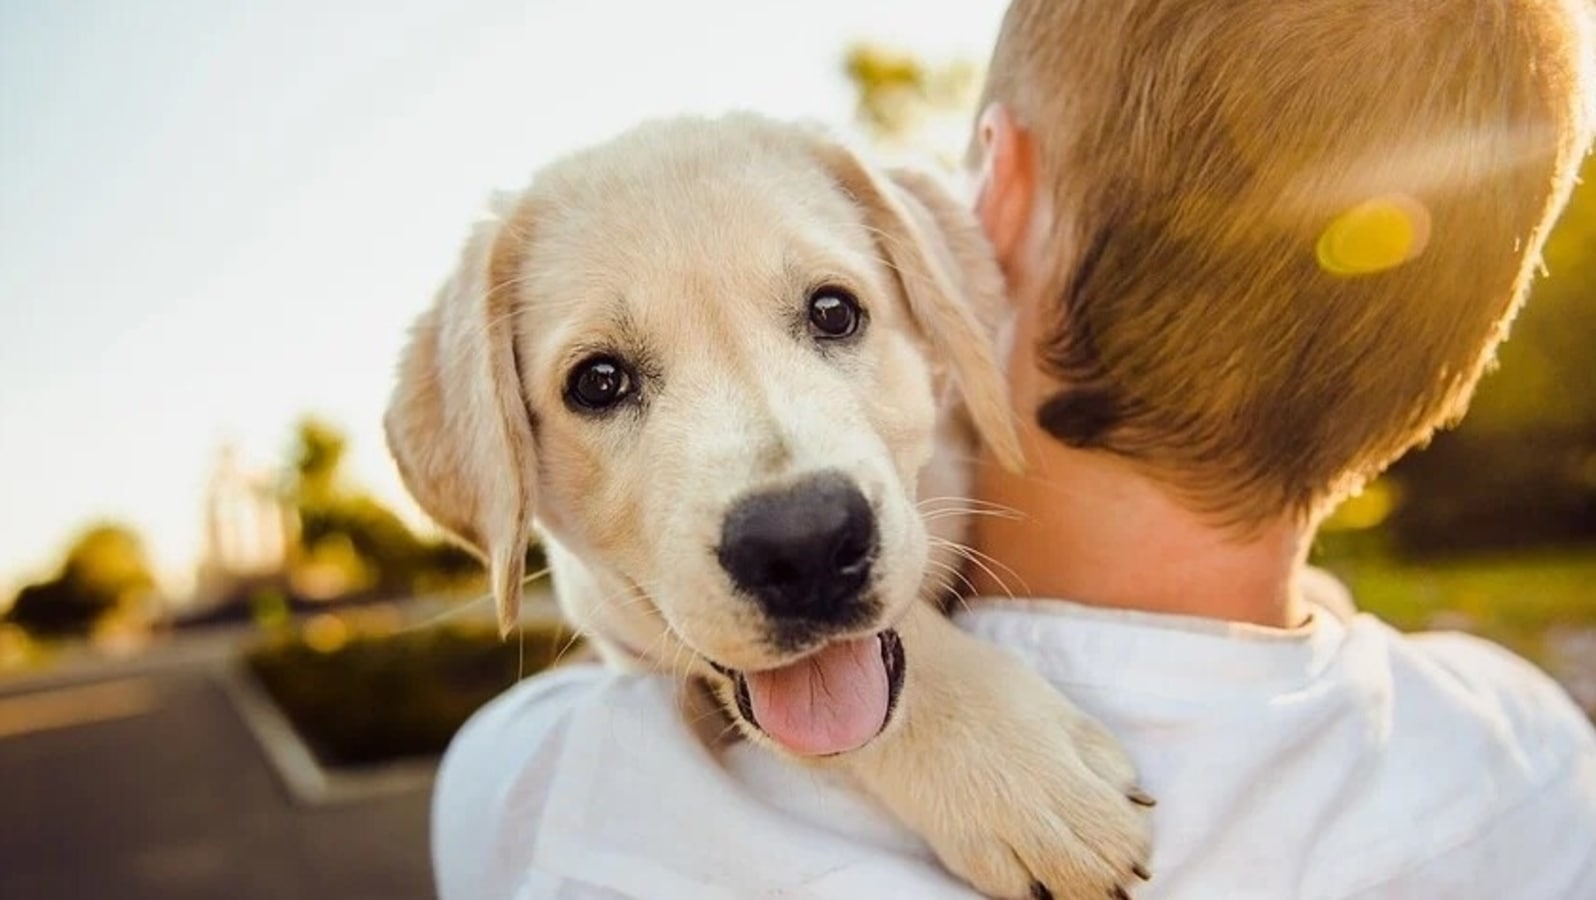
x=1519 y=472
x=350 y=531
x=1547 y=376
x=105 y=571
x=375 y=698
x=316 y=462
x=898 y=93
x=1514 y=600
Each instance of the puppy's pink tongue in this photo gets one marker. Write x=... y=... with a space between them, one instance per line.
x=832 y=701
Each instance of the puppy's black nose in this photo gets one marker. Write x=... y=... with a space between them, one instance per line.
x=804 y=551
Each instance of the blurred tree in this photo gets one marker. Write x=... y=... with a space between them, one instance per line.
x=901 y=99
x=1547 y=378
x=353 y=542
x=1520 y=470
x=104 y=572
x=317 y=461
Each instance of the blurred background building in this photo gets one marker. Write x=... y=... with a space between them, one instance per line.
x=249 y=529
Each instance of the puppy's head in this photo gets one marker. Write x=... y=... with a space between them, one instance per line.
x=707 y=356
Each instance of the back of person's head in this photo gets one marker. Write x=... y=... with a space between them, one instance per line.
x=1288 y=235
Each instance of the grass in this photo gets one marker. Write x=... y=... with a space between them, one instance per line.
x=1515 y=600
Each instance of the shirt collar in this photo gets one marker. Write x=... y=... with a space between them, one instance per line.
x=1079 y=646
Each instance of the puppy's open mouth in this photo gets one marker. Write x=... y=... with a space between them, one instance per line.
x=831 y=701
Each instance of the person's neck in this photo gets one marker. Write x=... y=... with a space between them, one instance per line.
x=1088 y=528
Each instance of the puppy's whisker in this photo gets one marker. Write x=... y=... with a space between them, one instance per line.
x=675 y=667
x=966 y=501
x=940 y=589
x=977 y=510
x=955 y=573
x=635 y=594
x=951 y=572
x=465 y=607
x=716 y=709
x=974 y=557
x=972 y=554
x=654 y=654
x=940 y=514
x=684 y=662
x=627 y=601
x=732 y=729
x=570 y=643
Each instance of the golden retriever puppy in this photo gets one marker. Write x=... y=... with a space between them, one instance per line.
x=714 y=363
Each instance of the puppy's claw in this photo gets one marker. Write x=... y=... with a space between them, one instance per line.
x=1118 y=893
x=1141 y=871
x=1140 y=797
x=1060 y=830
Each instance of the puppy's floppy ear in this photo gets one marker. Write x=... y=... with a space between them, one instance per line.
x=950 y=279
x=457 y=423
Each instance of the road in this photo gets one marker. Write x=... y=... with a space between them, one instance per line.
x=143 y=782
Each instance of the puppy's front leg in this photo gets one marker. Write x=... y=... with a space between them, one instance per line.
x=1017 y=791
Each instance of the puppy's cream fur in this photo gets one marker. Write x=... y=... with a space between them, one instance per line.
x=689 y=247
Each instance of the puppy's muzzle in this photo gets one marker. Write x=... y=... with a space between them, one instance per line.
x=803 y=552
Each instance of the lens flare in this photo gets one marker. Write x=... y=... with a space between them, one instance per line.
x=1376 y=235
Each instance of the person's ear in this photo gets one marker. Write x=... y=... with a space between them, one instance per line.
x=1005 y=190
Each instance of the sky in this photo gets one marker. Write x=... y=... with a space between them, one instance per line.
x=217 y=217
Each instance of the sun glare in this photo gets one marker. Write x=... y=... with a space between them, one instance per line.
x=1374 y=236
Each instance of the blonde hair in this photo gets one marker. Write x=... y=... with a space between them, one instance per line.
x=1289 y=235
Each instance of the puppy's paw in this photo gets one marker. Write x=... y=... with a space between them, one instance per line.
x=1017 y=790
x=1050 y=808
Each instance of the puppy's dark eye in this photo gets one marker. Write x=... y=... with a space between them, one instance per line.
x=833 y=313
x=599 y=383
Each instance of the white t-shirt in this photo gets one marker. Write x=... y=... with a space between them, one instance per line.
x=1338 y=760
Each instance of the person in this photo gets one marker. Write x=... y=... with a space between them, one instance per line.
x=1257 y=250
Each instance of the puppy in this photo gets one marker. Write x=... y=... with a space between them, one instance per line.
x=713 y=363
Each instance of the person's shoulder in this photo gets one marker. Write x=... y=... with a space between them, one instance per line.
x=1455 y=681
x=1515 y=704
x=507 y=732
x=532 y=705
x=1484 y=783
x=502 y=764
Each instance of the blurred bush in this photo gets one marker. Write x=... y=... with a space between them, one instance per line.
x=1477 y=491
x=104 y=575
x=900 y=98
x=360 y=696
x=353 y=542
x=1520 y=470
